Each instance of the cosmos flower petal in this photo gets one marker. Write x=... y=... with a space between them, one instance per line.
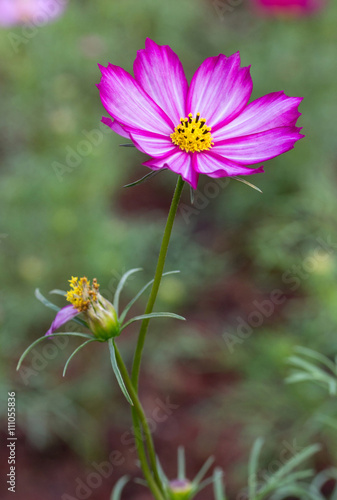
x=219 y=89
x=126 y=101
x=258 y=147
x=116 y=127
x=26 y=12
x=179 y=162
x=215 y=165
x=160 y=73
x=63 y=316
x=270 y=111
x=291 y=8
x=153 y=144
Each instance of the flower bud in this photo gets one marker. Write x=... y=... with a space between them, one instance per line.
x=99 y=312
x=180 y=489
x=102 y=319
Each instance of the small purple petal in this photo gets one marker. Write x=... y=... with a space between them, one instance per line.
x=160 y=73
x=63 y=316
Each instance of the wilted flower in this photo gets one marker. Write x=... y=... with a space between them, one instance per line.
x=206 y=127
x=291 y=8
x=37 y=12
x=98 y=312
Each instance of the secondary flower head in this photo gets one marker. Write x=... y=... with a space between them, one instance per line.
x=98 y=312
x=206 y=127
x=37 y=12
x=180 y=489
x=291 y=8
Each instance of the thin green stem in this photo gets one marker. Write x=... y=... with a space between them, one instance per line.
x=156 y=282
x=156 y=490
x=149 y=444
x=144 y=327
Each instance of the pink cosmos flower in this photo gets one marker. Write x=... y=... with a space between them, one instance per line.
x=289 y=7
x=206 y=127
x=36 y=12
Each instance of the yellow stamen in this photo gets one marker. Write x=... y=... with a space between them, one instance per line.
x=82 y=294
x=192 y=134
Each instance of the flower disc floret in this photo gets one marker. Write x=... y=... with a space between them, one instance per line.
x=192 y=134
x=99 y=312
x=82 y=294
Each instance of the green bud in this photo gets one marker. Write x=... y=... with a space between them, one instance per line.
x=102 y=319
x=180 y=489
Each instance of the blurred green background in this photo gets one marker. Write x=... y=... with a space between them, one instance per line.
x=64 y=212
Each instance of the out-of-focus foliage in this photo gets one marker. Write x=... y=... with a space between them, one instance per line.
x=258 y=272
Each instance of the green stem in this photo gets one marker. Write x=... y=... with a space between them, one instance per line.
x=156 y=282
x=145 y=324
x=138 y=409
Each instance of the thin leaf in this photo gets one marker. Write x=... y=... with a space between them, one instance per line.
x=56 y=291
x=153 y=315
x=74 y=334
x=192 y=195
x=141 y=481
x=181 y=463
x=121 y=285
x=294 y=462
x=218 y=485
x=315 y=375
x=298 y=490
x=117 y=372
x=45 y=301
x=302 y=363
x=54 y=307
x=253 y=468
x=326 y=420
x=145 y=178
x=117 y=491
x=128 y=145
x=247 y=183
x=203 y=484
x=73 y=354
x=298 y=377
x=293 y=477
x=130 y=304
x=161 y=473
x=318 y=356
x=204 y=469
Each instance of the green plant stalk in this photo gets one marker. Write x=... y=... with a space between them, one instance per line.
x=138 y=409
x=145 y=323
x=156 y=282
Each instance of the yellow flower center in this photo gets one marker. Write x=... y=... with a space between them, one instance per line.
x=192 y=134
x=82 y=294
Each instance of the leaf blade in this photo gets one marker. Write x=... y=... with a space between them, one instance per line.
x=117 y=372
x=153 y=315
x=120 y=286
x=73 y=354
